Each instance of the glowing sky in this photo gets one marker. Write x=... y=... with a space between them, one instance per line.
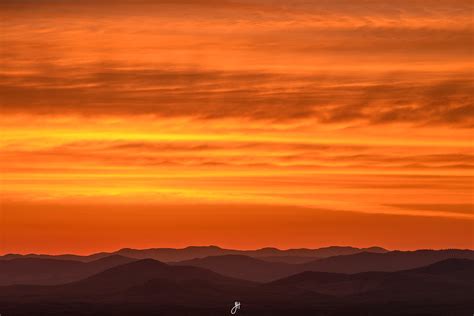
x=238 y=123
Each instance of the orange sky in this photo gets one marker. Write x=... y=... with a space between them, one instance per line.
x=237 y=123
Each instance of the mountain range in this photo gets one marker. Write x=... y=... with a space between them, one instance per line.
x=150 y=287
x=48 y=271
x=51 y=270
x=192 y=252
x=267 y=281
x=256 y=269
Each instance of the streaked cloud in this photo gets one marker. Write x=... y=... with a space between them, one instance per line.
x=345 y=112
x=395 y=98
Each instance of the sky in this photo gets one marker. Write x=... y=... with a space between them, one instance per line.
x=243 y=124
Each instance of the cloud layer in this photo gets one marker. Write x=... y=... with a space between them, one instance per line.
x=334 y=61
x=352 y=109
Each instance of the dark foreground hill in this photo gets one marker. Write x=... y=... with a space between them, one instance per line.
x=149 y=287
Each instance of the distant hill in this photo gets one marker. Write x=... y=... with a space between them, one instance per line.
x=150 y=280
x=244 y=267
x=53 y=271
x=69 y=257
x=287 y=259
x=448 y=280
x=254 y=269
x=139 y=272
x=172 y=255
x=456 y=269
x=192 y=252
x=388 y=261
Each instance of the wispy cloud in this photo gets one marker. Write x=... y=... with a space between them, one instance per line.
x=249 y=95
x=349 y=108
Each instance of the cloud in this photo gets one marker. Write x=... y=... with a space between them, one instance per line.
x=450 y=208
x=265 y=96
x=329 y=61
x=242 y=154
x=360 y=106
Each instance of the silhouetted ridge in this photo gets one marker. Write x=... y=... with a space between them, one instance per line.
x=447 y=265
x=225 y=259
x=244 y=267
x=46 y=271
x=388 y=261
x=139 y=272
x=154 y=285
x=311 y=276
x=192 y=252
x=112 y=258
x=454 y=268
x=444 y=280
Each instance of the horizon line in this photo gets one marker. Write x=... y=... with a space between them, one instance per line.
x=222 y=248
